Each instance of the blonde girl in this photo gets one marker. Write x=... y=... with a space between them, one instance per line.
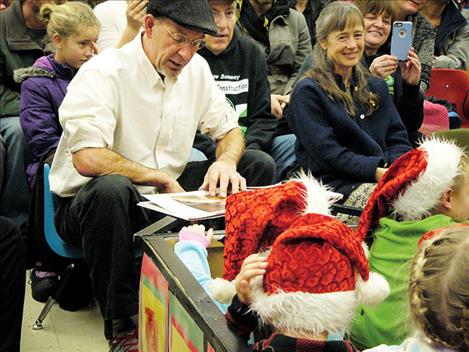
x=73 y=30
x=439 y=294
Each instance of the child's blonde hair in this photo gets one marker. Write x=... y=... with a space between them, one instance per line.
x=66 y=19
x=439 y=288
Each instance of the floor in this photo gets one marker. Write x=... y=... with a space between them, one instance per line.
x=80 y=331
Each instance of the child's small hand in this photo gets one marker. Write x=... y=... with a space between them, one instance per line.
x=253 y=266
x=196 y=233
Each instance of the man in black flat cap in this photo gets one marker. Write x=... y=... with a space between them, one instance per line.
x=129 y=119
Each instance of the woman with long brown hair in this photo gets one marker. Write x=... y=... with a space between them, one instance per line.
x=347 y=126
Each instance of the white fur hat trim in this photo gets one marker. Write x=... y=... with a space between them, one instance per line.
x=316 y=312
x=424 y=194
x=319 y=197
x=301 y=311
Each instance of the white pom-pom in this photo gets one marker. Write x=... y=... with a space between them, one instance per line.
x=373 y=291
x=422 y=195
x=222 y=291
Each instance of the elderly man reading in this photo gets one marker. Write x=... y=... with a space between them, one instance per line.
x=129 y=119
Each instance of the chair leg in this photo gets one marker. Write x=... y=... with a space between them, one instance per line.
x=38 y=324
x=53 y=298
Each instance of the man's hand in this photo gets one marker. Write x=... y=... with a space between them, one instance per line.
x=170 y=186
x=167 y=184
x=253 y=266
x=222 y=174
x=277 y=103
x=135 y=13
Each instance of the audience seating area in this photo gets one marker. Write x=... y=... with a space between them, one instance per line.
x=175 y=313
x=453 y=86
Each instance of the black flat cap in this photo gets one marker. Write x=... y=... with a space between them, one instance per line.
x=192 y=14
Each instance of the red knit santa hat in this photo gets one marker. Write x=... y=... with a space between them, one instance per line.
x=414 y=184
x=311 y=282
x=255 y=218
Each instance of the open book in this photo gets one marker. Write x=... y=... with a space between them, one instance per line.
x=196 y=205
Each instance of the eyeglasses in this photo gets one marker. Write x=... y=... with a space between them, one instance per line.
x=182 y=39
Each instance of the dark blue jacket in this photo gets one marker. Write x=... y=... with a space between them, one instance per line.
x=43 y=89
x=407 y=98
x=342 y=150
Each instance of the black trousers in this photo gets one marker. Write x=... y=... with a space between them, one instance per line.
x=12 y=285
x=103 y=216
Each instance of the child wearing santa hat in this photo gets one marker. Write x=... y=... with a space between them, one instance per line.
x=310 y=276
x=265 y=212
x=438 y=294
x=425 y=189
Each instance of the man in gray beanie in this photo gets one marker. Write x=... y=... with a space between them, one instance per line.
x=129 y=119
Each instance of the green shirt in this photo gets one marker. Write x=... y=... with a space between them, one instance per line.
x=394 y=246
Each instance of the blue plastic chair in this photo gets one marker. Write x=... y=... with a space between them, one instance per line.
x=52 y=237
x=56 y=243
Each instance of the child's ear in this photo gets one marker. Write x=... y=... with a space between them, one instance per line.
x=446 y=199
x=57 y=41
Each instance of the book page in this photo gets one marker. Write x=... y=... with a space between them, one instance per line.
x=187 y=205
